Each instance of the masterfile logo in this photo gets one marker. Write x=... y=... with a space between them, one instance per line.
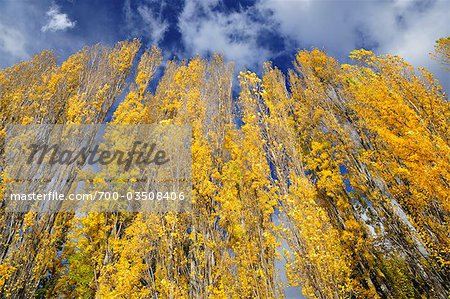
x=97 y=167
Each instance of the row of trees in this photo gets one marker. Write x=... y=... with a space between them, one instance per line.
x=346 y=166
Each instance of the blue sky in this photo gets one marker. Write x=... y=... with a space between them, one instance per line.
x=247 y=32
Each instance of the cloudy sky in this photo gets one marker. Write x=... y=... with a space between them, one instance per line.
x=247 y=32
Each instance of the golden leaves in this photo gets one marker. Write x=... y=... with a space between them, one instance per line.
x=344 y=163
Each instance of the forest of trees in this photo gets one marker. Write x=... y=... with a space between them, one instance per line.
x=341 y=171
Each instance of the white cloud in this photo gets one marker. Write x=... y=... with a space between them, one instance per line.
x=12 y=42
x=322 y=24
x=406 y=28
x=156 y=26
x=234 y=34
x=401 y=27
x=57 y=20
x=146 y=20
x=21 y=34
x=416 y=41
x=398 y=27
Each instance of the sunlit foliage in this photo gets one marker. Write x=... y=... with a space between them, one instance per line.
x=334 y=176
